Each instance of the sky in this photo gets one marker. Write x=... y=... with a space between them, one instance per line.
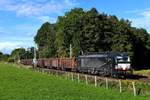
x=20 y=19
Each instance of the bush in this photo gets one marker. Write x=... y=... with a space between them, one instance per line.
x=11 y=60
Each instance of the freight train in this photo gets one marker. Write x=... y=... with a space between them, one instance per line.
x=104 y=64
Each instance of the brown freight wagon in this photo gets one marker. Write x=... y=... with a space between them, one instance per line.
x=40 y=63
x=26 y=62
x=48 y=63
x=58 y=63
x=67 y=63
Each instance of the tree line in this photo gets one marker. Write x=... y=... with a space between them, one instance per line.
x=18 y=54
x=91 y=31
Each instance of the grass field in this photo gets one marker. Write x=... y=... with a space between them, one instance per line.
x=24 y=84
x=143 y=73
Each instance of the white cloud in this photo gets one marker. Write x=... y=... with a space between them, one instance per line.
x=6 y=47
x=141 y=18
x=146 y=14
x=47 y=18
x=40 y=8
x=138 y=11
x=9 y=45
x=141 y=22
x=30 y=34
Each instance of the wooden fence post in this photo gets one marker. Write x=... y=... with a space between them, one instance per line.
x=66 y=75
x=134 y=89
x=120 y=86
x=78 y=78
x=56 y=74
x=106 y=83
x=86 y=79
x=95 y=81
x=72 y=76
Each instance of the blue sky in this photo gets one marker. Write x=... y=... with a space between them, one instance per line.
x=20 y=19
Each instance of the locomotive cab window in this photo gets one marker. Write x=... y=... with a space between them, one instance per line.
x=122 y=59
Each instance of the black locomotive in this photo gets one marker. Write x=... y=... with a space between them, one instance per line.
x=111 y=64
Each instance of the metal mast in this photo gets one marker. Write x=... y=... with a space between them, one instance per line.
x=34 y=59
x=70 y=51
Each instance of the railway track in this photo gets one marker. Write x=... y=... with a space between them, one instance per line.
x=145 y=79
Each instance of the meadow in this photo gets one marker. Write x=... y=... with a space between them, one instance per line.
x=25 y=84
x=143 y=73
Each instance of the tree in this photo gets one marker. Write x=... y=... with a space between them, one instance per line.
x=29 y=54
x=140 y=51
x=91 y=31
x=18 y=54
x=1 y=56
x=68 y=32
x=45 y=40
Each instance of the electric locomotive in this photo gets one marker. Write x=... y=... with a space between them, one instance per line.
x=105 y=64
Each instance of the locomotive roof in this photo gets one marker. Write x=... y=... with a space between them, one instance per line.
x=103 y=54
x=94 y=55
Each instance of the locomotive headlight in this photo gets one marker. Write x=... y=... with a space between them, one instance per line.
x=124 y=66
x=119 y=66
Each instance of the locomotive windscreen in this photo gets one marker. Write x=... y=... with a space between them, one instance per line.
x=122 y=59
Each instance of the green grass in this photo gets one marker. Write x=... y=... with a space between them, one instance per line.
x=23 y=84
x=143 y=73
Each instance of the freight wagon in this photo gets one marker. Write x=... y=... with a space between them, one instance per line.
x=26 y=61
x=57 y=63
